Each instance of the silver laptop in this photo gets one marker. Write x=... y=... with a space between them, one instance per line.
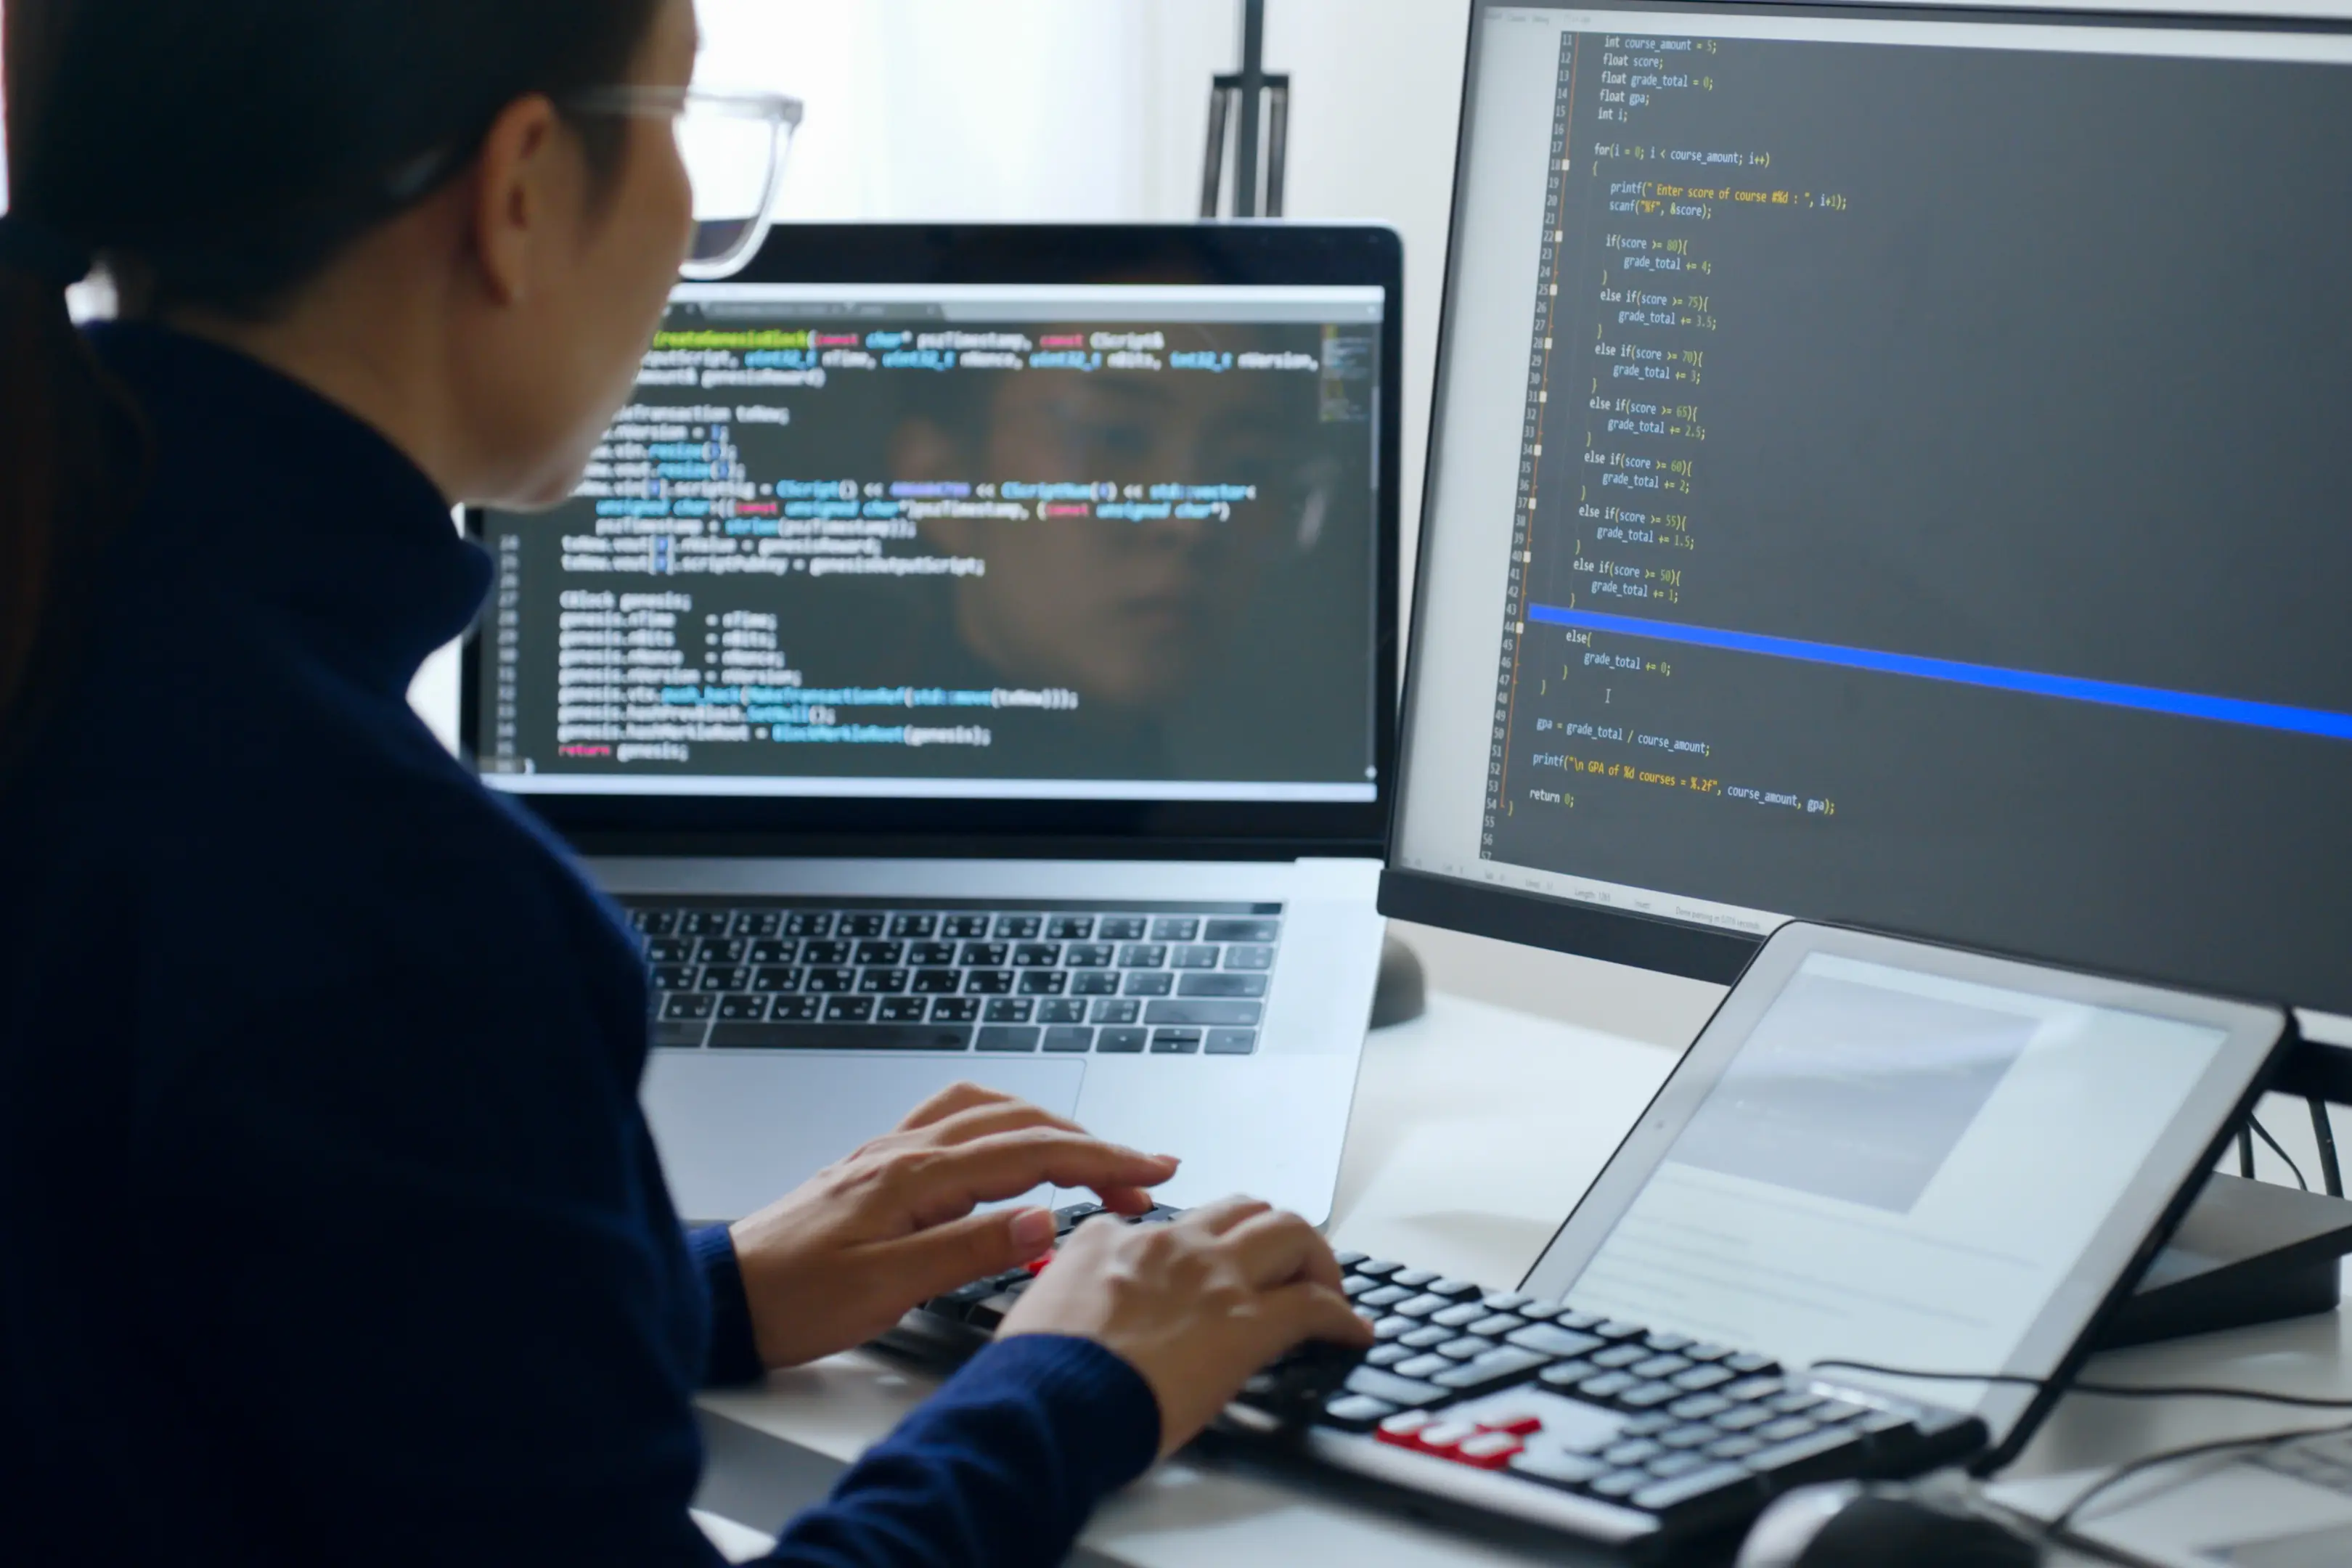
x=971 y=655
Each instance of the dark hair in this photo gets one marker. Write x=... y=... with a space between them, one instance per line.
x=216 y=154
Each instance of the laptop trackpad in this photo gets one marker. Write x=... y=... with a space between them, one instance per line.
x=737 y=1131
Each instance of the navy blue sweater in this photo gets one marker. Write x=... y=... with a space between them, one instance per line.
x=329 y=1227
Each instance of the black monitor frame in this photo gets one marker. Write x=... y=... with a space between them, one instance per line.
x=1193 y=253
x=2313 y=1070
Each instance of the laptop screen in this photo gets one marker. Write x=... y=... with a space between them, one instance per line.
x=1094 y=542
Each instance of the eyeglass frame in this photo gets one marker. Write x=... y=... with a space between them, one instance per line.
x=782 y=111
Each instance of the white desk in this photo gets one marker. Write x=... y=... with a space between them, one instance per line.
x=1476 y=1131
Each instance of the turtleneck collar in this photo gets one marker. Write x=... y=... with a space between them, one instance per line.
x=306 y=507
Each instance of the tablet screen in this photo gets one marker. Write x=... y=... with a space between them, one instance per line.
x=1901 y=1167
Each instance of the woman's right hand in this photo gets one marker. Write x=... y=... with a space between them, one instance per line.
x=1195 y=1305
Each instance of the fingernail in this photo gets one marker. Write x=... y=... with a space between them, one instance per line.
x=1171 y=1159
x=1033 y=1231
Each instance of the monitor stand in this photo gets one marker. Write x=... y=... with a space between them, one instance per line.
x=2247 y=1252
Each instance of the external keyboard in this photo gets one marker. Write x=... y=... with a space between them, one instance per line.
x=1169 y=979
x=1494 y=1402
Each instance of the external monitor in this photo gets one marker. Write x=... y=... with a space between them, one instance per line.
x=958 y=534
x=1889 y=466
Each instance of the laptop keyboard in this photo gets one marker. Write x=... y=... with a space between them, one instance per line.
x=1161 y=979
x=1569 y=1401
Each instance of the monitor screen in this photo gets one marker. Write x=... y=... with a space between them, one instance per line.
x=994 y=541
x=1889 y=467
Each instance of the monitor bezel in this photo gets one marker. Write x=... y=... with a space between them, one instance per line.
x=1590 y=929
x=1226 y=253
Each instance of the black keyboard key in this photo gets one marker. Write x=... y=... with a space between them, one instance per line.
x=1494 y=1325
x=1087 y=955
x=1648 y=1395
x=1241 y=931
x=1616 y=1358
x=987 y=982
x=930 y=954
x=1244 y=957
x=1416 y=1277
x=882 y=981
x=825 y=1036
x=807 y=923
x=1618 y=1485
x=1634 y=1451
x=742 y=1007
x=1222 y=984
x=1663 y=1342
x=1204 y=1014
x=775 y=950
x=1061 y=1010
x=1427 y=1337
x=955 y=1009
x=1550 y=1339
x=1095 y=983
x=1557 y=1465
x=1697 y=1481
x=1423 y=1367
x=1404 y=1393
x=1149 y=983
x=726 y=977
x=674 y=976
x=1377 y=1267
x=1732 y=1449
x=1175 y=1042
x=1422 y=1305
x=1820 y=1452
x=984 y=955
x=1070 y=928
x=1608 y=1385
x=913 y=925
x=1568 y=1373
x=1174 y=928
x=1069 y=1037
x=705 y=923
x=936 y=982
x=1044 y=982
x=1117 y=1010
x=1618 y=1329
x=1120 y=928
x=1749 y=1363
x=957 y=927
x=1689 y=1434
x=669 y=950
x=1701 y=1376
x=795 y=1009
x=1357 y=1411
x=825 y=952
x=1659 y=1366
x=902 y=1010
x=1377 y=1295
x=1460 y=1314
x=1700 y=1407
x=864 y=923
x=1018 y=927
x=881 y=953
x=1741 y=1417
x=1037 y=954
x=1747 y=1390
x=757 y=922
x=1230 y=1042
x=1666 y=1467
x=828 y=981
x=1143 y=955
x=654 y=922
x=1010 y=1010
x=1118 y=1042
x=1786 y=1428
x=1469 y=1347
x=997 y=1037
x=690 y=1004
x=1491 y=1369
x=1192 y=958
x=849 y=1009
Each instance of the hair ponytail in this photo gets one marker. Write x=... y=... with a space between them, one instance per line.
x=218 y=153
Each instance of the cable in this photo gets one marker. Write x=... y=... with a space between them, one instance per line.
x=2065 y=1516
x=2323 y=1132
x=2102 y=1390
x=2265 y=1134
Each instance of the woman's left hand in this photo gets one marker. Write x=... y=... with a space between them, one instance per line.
x=842 y=1257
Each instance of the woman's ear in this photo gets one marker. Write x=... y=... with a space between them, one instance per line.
x=529 y=186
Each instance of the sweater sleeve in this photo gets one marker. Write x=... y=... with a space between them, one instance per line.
x=733 y=1357
x=1000 y=1467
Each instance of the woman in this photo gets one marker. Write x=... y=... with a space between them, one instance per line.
x=329 y=1229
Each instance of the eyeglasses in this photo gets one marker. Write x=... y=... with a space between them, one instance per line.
x=733 y=145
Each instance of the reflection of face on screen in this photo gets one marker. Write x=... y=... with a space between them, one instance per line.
x=1125 y=612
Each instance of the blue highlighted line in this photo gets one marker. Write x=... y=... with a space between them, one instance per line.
x=2108 y=693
